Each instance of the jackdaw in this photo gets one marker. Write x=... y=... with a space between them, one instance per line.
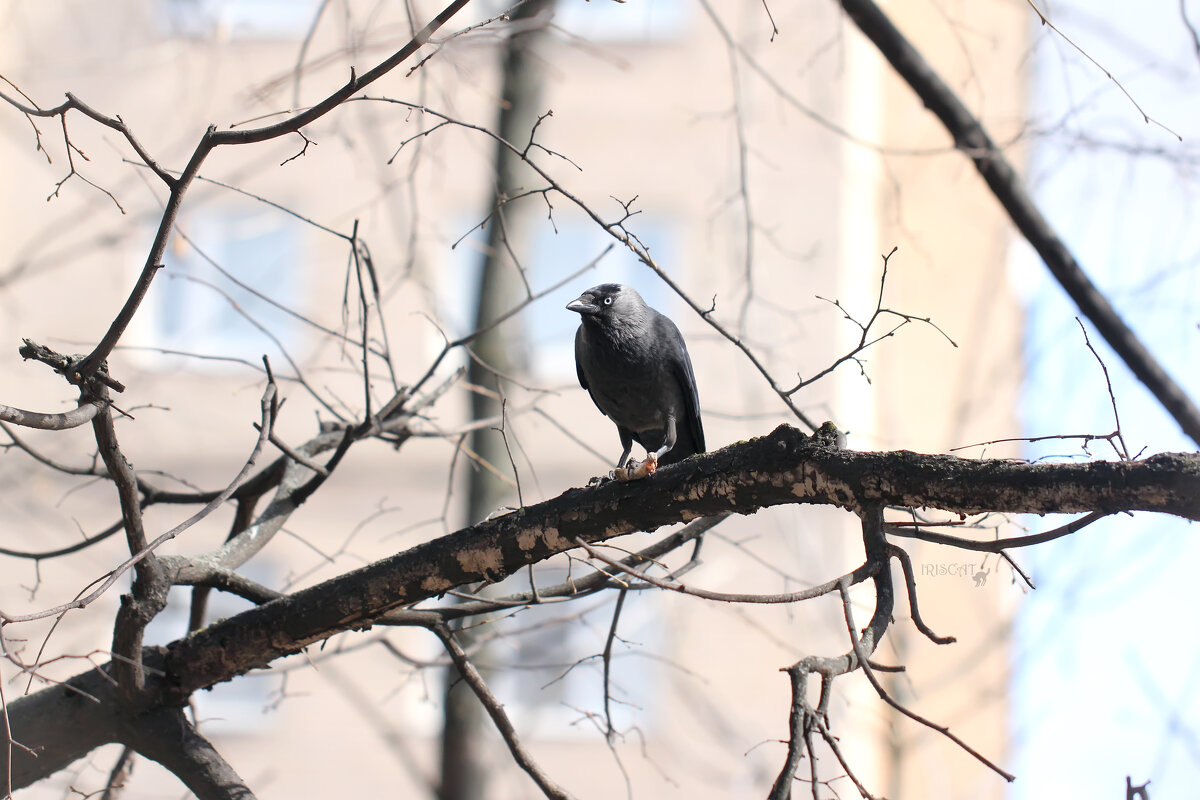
x=634 y=364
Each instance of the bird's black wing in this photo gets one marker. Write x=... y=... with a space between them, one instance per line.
x=580 y=350
x=680 y=365
x=581 y=355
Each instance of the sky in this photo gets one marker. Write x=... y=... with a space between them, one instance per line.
x=1106 y=664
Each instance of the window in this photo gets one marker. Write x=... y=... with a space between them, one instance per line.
x=229 y=274
x=639 y=21
x=240 y=19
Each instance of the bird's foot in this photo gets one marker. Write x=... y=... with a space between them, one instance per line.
x=637 y=471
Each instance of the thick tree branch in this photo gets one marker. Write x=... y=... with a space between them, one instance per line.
x=973 y=140
x=62 y=724
x=785 y=467
x=148 y=594
x=167 y=737
x=51 y=422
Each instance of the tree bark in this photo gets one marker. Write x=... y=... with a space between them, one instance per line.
x=166 y=736
x=498 y=351
x=785 y=467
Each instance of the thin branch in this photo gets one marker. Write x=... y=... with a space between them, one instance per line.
x=1145 y=117
x=118 y=776
x=910 y=582
x=633 y=244
x=123 y=567
x=857 y=576
x=298 y=71
x=293 y=454
x=211 y=139
x=508 y=449
x=86 y=542
x=1122 y=450
x=866 y=668
x=1187 y=22
x=495 y=710
x=148 y=594
x=72 y=102
x=997 y=545
x=610 y=731
x=865 y=341
x=66 y=469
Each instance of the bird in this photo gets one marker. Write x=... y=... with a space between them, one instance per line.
x=633 y=362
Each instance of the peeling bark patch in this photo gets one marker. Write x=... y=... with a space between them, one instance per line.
x=435 y=583
x=481 y=561
x=554 y=540
x=815 y=484
x=526 y=539
x=548 y=536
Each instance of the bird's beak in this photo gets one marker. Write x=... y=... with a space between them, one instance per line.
x=584 y=304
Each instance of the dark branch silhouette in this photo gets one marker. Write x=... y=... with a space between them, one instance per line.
x=973 y=140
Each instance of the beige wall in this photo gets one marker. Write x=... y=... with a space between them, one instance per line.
x=648 y=120
x=950 y=265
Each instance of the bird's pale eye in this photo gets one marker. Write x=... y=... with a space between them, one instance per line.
x=608 y=301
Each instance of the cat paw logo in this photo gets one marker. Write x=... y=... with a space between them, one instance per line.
x=978 y=575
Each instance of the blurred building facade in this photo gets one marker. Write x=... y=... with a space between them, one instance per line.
x=771 y=183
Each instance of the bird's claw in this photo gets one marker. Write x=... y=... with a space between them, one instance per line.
x=637 y=471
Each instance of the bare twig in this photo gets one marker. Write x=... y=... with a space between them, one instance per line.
x=211 y=140
x=495 y=710
x=997 y=545
x=123 y=567
x=866 y=668
x=857 y=576
x=1145 y=117
x=865 y=338
x=293 y=454
x=1120 y=447
x=610 y=731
